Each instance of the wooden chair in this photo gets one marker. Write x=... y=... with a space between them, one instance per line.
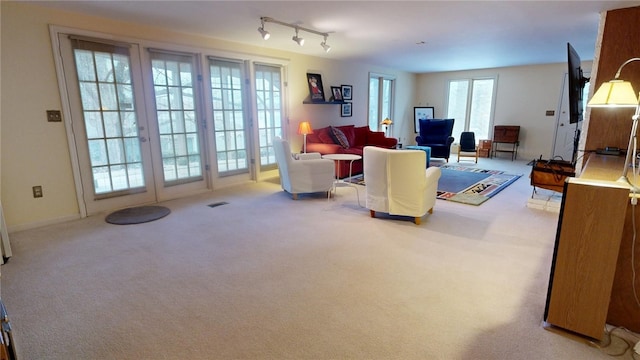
x=468 y=146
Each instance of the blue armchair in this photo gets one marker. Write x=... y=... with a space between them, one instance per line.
x=436 y=134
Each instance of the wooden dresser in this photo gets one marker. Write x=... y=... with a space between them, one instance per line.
x=591 y=274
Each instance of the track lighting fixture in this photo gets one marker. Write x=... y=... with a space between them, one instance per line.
x=300 y=41
x=264 y=33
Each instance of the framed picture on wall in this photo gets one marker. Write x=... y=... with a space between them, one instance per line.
x=420 y=113
x=346 y=92
x=345 y=109
x=316 y=91
x=336 y=93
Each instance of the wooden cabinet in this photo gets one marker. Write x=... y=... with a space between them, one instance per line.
x=506 y=139
x=590 y=227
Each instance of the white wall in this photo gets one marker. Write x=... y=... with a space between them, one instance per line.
x=35 y=152
x=523 y=96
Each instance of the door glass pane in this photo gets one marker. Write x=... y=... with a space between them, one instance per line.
x=471 y=104
x=177 y=121
x=111 y=126
x=269 y=108
x=374 y=105
x=380 y=100
x=457 y=105
x=386 y=99
x=481 y=103
x=228 y=116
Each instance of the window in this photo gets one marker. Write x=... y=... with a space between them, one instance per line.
x=471 y=103
x=380 y=99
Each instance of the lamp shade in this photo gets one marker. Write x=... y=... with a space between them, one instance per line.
x=386 y=121
x=614 y=93
x=305 y=128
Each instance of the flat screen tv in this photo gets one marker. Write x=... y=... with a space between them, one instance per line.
x=576 y=85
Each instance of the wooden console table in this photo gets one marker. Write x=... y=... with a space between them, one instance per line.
x=591 y=275
x=508 y=135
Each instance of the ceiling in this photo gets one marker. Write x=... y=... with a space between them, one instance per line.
x=414 y=36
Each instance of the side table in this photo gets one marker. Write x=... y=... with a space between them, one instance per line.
x=344 y=157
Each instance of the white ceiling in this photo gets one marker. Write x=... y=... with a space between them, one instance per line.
x=457 y=35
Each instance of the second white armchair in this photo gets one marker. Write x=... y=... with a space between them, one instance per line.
x=397 y=182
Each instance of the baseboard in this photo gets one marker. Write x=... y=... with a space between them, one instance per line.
x=37 y=224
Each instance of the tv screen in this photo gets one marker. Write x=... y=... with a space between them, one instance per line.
x=576 y=85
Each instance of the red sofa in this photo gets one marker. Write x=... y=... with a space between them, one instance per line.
x=325 y=142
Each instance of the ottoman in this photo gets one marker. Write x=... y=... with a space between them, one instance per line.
x=426 y=149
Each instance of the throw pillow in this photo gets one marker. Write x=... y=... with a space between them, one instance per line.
x=349 y=132
x=339 y=137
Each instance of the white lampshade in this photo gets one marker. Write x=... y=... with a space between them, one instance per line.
x=614 y=93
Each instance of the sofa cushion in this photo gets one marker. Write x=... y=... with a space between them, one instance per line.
x=339 y=137
x=360 y=135
x=313 y=137
x=325 y=136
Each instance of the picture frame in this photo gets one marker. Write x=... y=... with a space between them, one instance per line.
x=336 y=92
x=345 y=109
x=346 y=92
x=316 y=90
x=421 y=112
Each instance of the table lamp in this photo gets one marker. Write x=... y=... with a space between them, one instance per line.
x=620 y=93
x=386 y=122
x=304 y=128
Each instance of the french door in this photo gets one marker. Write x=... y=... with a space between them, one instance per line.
x=117 y=130
x=103 y=81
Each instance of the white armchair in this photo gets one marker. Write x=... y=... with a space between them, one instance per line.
x=308 y=173
x=397 y=183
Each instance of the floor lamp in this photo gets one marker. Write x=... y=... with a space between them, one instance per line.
x=620 y=93
x=386 y=122
x=304 y=128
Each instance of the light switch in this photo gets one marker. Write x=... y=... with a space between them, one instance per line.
x=54 y=115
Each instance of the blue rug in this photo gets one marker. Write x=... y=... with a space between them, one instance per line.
x=472 y=186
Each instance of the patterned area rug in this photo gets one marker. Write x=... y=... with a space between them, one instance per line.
x=471 y=186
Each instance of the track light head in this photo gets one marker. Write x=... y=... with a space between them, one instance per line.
x=325 y=46
x=298 y=39
x=264 y=33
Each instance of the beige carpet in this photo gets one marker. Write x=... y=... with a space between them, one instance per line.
x=266 y=277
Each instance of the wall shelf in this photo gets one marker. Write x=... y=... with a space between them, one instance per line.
x=324 y=102
x=330 y=102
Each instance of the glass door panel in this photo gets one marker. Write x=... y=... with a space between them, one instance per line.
x=114 y=158
x=180 y=145
x=229 y=116
x=268 y=81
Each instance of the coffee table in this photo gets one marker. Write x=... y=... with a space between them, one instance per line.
x=339 y=182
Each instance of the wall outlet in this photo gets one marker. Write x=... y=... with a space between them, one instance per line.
x=37 y=191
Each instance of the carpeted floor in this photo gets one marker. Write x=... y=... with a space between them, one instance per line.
x=267 y=277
